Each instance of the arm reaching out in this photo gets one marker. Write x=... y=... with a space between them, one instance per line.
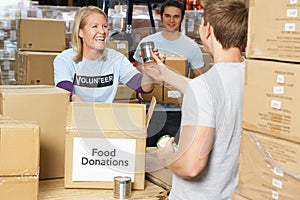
x=160 y=72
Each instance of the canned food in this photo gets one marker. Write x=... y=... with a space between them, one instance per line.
x=147 y=48
x=122 y=187
x=162 y=141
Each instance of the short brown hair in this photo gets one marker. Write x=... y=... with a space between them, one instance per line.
x=229 y=19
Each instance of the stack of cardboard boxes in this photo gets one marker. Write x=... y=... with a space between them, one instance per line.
x=270 y=144
x=165 y=93
x=19 y=163
x=39 y=41
x=47 y=106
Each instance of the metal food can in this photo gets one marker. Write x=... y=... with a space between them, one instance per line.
x=122 y=187
x=162 y=141
x=147 y=48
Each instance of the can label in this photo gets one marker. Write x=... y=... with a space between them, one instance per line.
x=162 y=141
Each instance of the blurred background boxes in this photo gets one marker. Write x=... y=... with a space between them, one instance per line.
x=35 y=68
x=41 y=34
x=119 y=45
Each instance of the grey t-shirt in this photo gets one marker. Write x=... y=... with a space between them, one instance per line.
x=214 y=100
x=182 y=46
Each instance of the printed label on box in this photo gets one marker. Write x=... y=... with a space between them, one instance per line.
x=101 y=159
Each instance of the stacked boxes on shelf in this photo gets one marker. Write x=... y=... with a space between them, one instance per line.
x=19 y=159
x=270 y=145
x=13 y=12
x=165 y=93
x=40 y=40
x=8 y=41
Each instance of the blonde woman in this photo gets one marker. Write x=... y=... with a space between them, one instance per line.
x=90 y=71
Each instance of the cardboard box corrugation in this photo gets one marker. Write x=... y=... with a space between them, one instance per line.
x=269 y=167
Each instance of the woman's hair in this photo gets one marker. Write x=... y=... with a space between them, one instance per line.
x=229 y=19
x=79 y=23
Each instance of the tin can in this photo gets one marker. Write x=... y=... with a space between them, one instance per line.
x=122 y=187
x=162 y=141
x=147 y=48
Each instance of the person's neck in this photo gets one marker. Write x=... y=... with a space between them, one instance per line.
x=230 y=55
x=171 y=35
x=92 y=55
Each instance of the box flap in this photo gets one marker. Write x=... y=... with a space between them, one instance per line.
x=106 y=116
x=150 y=110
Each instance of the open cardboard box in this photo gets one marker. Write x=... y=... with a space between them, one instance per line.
x=104 y=140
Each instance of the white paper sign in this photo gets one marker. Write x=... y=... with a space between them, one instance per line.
x=101 y=159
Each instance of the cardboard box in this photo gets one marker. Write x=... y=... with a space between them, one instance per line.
x=112 y=142
x=125 y=92
x=157 y=93
x=237 y=196
x=41 y=34
x=269 y=167
x=178 y=63
x=119 y=45
x=47 y=105
x=25 y=188
x=271 y=98
x=172 y=95
x=34 y=68
x=276 y=35
x=19 y=148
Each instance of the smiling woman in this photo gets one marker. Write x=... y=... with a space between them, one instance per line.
x=90 y=71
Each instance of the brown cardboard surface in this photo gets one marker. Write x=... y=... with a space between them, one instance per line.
x=119 y=45
x=271 y=98
x=106 y=121
x=106 y=116
x=13 y=188
x=178 y=63
x=19 y=148
x=157 y=93
x=34 y=68
x=41 y=34
x=47 y=105
x=275 y=35
x=172 y=95
x=155 y=172
x=269 y=167
x=124 y=92
x=237 y=196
